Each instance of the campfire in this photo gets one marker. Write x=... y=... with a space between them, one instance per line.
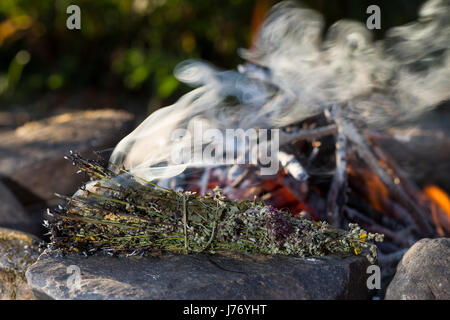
x=331 y=99
x=399 y=210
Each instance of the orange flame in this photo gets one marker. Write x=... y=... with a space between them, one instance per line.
x=377 y=192
x=441 y=200
x=439 y=197
x=374 y=190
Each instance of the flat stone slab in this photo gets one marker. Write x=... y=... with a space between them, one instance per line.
x=198 y=277
x=32 y=160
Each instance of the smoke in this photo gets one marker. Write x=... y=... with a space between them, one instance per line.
x=294 y=72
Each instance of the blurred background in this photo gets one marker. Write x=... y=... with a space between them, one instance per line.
x=125 y=52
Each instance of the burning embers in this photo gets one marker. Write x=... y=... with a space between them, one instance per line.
x=326 y=96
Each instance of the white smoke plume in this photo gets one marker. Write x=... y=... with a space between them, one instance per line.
x=294 y=72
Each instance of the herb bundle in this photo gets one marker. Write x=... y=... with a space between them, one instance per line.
x=117 y=213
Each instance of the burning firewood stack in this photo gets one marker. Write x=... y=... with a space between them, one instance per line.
x=332 y=102
x=398 y=208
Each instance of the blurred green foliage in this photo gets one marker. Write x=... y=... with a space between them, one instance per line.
x=132 y=46
x=123 y=45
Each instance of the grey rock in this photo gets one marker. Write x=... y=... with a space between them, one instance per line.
x=32 y=160
x=11 y=210
x=14 y=216
x=423 y=273
x=199 y=277
x=18 y=251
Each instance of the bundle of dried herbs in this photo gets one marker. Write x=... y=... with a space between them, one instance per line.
x=116 y=213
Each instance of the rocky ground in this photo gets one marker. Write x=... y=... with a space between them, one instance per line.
x=18 y=251
x=32 y=169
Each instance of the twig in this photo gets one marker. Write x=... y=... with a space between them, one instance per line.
x=245 y=173
x=307 y=134
x=298 y=188
x=185 y=224
x=336 y=197
x=292 y=166
x=204 y=180
x=365 y=153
